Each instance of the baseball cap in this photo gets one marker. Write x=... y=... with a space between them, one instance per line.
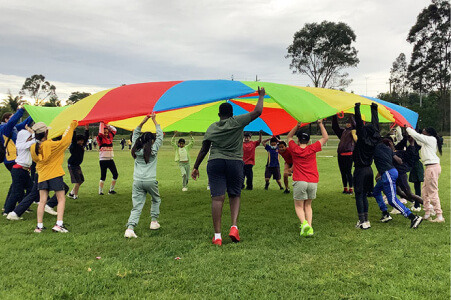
x=40 y=127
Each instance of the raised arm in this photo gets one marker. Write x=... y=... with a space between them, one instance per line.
x=173 y=144
x=324 y=135
x=293 y=132
x=259 y=106
x=417 y=136
x=12 y=122
x=265 y=141
x=22 y=125
x=200 y=157
x=191 y=141
x=159 y=134
x=358 y=118
x=260 y=137
x=374 y=116
x=336 y=128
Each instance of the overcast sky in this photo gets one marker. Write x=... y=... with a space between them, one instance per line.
x=93 y=45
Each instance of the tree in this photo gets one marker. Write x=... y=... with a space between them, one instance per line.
x=77 y=96
x=12 y=103
x=398 y=76
x=38 y=89
x=322 y=51
x=429 y=67
x=53 y=102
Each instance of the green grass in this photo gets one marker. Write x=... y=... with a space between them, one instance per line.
x=272 y=261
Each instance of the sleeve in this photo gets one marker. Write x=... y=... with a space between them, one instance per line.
x=336 y=128
x=374 y=116
x=136 y=134
x=67 y=136
x=21 y=126
x=257 y=143
x=316 y=146
x=293 y=147
x=8 y=127
x=190 y=144
x=417 y=136
x=74 y=141
x=358 y=120
x=158 y=141
x=25 y=144
x=402 y=144
x=113 y=130
x=267 y=147
x=173 y=144
x=244 y=119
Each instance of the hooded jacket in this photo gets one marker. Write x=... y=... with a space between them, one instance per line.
x=368 y=137
x=23 y=148
x=346 y=144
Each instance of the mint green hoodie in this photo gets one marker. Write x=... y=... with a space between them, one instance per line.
x=143 y=171
x=178 y=149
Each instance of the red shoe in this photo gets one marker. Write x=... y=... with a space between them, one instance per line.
x=234 y=235
x=217 y=242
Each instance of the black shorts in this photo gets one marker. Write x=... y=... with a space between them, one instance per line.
x=76 y=175
x=225 y=175
x=54 y=184
x=274 y=171
x=363 y=180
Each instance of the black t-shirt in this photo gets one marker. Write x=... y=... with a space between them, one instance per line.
x=383 y=158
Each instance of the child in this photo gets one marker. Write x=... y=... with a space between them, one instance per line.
x=272 y=164
x=305 y=174
x=182 y=157
x=77 y=151
x=383 y=159
x=49 y=156
x=106 y=154
x=249 y=158
x=347 y=137
x=430 y=142
x=144 y=151
x=285 y=152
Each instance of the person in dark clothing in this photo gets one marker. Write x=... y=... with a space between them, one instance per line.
x=408 y=157
x=122 y=144
x=345 y=148
x=383 y=159
x=367 y=138
x=33 y=197
x=77 y=151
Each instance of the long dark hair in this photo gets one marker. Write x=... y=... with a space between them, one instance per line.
x=38 y=137
x=145 y=142
x=432 y=132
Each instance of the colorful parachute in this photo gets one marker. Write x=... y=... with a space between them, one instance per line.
x=193 y=106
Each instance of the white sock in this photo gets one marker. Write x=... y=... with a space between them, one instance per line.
x=100 y=190
x=218 y=236
x=72 y=192
x=40 y=225
x=59 y=223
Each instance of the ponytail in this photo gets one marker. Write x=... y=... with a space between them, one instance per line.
x=145 y=142
x=39 y=137
x=432 y=132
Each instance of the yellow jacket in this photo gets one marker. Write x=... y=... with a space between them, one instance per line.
x=49 y=161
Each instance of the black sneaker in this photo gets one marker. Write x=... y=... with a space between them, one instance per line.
x=28 y=211
x=249 y=188
x=266 y=186
x=287 y=191
x=101 y=194
x=416 y=222
x=385 y=218
x=70 y=195
x=112 y=192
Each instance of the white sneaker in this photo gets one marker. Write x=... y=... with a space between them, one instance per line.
x=395 y=212
x=50 y=210
x=129 y=233
x=417 y=209
x=367 y=225
x=184 y=189
x=13 y=216
x=60 y=229
x=154 y=225
x=208 y=187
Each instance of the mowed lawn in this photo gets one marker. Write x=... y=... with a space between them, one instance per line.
x=389 y=261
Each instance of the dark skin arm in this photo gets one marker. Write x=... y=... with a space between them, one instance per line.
x=358 y=118
x=397 y=159
x=200 y=157
x=259 y=106
x=260 y=137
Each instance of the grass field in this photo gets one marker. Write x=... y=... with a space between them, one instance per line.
x=389 y=261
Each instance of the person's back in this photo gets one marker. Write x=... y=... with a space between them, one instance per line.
x=226 y=137
x=383 y=158
x=147 y=171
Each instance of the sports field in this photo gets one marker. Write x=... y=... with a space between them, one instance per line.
x=389 y=261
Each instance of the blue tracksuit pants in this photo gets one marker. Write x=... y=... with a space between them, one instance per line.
x=387 y=183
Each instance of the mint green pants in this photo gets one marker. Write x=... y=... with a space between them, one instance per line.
x=184 y=169
x=139 y=193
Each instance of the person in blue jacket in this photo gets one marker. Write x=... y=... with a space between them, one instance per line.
x=9 y=128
